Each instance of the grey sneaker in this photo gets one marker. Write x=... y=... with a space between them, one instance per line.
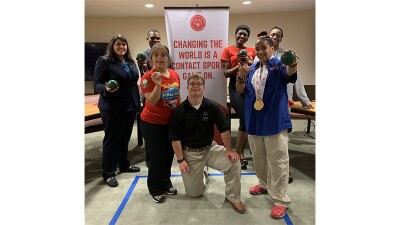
x=171 y=191
x=112 y=182
x=158 y=198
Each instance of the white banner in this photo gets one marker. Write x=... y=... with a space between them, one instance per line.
x=196 y=38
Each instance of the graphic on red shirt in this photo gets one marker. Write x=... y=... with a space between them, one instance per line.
x=170 y=94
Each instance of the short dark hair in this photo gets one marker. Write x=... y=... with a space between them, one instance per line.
x=196 y=75
x=152 y=30
x=266 y=38
x=243 y=27
x=262 y=33
x=276 y=27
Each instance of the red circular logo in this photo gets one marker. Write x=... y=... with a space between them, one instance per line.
x=198 y=22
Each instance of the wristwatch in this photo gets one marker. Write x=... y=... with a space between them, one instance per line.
x=180 y=160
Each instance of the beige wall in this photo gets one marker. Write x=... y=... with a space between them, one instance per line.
x=298 y=28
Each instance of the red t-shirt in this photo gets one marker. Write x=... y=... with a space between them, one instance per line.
x=230 y=54
x=161 y=112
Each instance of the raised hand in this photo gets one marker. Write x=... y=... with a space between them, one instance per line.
x=156 y=78
x=289 y=57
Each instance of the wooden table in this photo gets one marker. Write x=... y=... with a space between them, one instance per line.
x=298 y=108
x=310 y=113
x=91 y=111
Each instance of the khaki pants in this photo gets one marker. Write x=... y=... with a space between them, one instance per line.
x=214 y=158
x=271 y=161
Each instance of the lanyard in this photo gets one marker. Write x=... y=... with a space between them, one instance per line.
x=259 y=80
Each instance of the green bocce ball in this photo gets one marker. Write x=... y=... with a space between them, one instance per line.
x=288 y=57
x=112 y=84
x=141 y=56
x=242 y=53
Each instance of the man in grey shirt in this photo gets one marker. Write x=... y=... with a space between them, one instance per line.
x=153 y=36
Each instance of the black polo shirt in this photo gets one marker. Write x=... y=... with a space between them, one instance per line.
x=195 y=128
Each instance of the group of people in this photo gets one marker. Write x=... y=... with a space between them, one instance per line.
x=170 y=125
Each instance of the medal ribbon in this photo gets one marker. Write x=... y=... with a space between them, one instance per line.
x=259 y=79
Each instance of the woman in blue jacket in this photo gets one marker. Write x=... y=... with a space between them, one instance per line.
x=268 y=121
x=118 y=106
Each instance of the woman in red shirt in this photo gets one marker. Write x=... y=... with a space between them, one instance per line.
x=231 y=64
x=160 y=86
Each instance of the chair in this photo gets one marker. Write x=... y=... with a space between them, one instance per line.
x=217 y=135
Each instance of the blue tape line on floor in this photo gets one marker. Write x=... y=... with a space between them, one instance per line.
x=287 y=219
x=124 y=201
x=135 y=181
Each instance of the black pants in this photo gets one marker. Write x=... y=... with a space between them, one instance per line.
x=161 y=156
x=237 y=102
x=117 y=129
x=143 y=100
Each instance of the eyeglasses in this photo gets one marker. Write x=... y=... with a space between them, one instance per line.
x=196 y=84
x=155 y=38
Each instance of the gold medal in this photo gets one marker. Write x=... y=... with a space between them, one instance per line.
x=258 y=105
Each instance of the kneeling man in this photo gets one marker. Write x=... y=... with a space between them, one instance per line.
x=191 y=132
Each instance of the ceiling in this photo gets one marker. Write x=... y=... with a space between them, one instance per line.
x=135 y=8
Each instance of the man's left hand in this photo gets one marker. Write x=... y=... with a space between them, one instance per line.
x=232 y=156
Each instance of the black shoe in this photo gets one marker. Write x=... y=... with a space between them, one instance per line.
x=158 y=198
x=244 y=163
x=111 y=181
x=290 y=178
x=171 y=191
x=131 y=169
